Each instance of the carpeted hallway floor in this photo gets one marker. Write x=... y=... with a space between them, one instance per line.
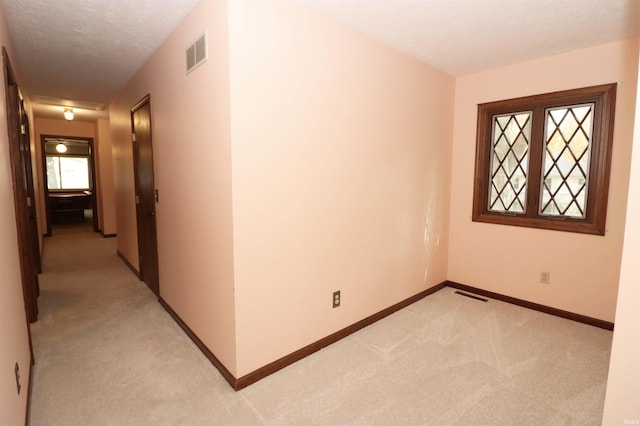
x=108 y=354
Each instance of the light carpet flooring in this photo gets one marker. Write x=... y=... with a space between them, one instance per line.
x=108 y=354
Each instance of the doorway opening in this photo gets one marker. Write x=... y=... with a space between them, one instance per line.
x=69 y=181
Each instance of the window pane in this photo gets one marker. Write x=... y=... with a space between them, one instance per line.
x=509 y=162
x=566 y=160
x=53 y=173
x=67 y=172
x=74 y=172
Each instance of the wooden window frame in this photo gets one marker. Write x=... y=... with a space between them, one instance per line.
x=604 y=99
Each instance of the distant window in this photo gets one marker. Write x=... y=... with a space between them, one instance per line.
x=543 y=161
x=67 y=172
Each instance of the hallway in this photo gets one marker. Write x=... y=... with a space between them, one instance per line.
x=108 y=354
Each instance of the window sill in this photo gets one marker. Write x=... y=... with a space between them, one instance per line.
x=580 y=226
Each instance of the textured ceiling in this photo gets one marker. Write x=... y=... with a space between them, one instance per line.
x=86 y=50
x=466 y=36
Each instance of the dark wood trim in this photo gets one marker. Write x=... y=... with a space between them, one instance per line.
x=45 y=188
x=146 y=99
x=25 y=141
x=129 y=265
x=535 y=306
x=285 y=361
x=203 y=348
x=108 y=235
x=27 y=417
x=94 y=184
x=20 y=167
x=261 y=373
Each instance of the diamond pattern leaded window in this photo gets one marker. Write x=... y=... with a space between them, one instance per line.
x=567 y=153
x=510 y=162
x=543 y=161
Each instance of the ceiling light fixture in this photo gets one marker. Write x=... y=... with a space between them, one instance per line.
x=61 y=148
x=68 y=114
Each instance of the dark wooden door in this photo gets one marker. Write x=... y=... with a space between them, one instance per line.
x=25 y=149
x=145 y=193
x=21 y=171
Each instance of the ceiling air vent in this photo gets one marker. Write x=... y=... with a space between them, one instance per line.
x=197 y=53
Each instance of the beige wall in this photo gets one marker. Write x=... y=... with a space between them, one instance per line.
x=101 y=134
x=340 y=156
x=327 y=162
x=104 y=175
x=14 y=340
x=623 y=388
x=123 y=184
x=508 y=260
x=190 y=130
x=340 y=162
x=341 y=153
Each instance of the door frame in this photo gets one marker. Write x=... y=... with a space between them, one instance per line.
x=45 y=185
x=143 y=240
x=25 y=140
x=24 y=196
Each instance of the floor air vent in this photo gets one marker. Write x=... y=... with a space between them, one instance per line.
x=471 y=296
x=197 y=53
